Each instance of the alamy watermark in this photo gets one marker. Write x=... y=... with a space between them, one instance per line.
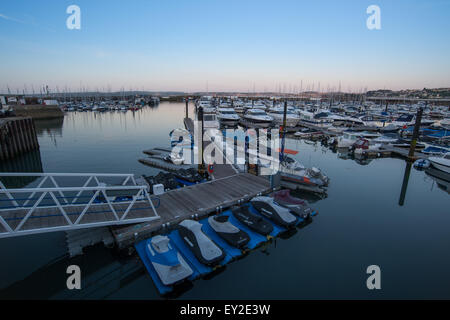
x=374 y=280
x=374 y=20
x=74 y=20
x=74 y=278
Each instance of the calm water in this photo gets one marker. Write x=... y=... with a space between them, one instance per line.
x=360 y=223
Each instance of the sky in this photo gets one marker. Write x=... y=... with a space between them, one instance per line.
x=224 y=45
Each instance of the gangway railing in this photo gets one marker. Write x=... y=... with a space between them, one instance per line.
x=28 y=213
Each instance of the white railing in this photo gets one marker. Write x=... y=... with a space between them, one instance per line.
x=130 y=196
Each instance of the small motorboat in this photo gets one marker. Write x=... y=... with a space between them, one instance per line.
x=167 y=261
x=441 y=163
x=421 y=164
x=297 y=206
x=204 y=249
x=270 y=209
x=230 y=233
x=251 y=220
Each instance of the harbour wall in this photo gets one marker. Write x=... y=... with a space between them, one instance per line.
x=17 y=136
x=38 y=111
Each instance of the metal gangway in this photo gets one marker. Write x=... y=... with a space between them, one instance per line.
x=80 y=200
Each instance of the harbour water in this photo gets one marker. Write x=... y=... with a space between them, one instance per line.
x=360 y=223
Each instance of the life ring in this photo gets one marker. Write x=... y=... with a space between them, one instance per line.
x=210 y=168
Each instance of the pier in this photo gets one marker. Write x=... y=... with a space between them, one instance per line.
x=194 y=201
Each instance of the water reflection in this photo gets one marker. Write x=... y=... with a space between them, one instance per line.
x=406 y=175
x=441 y=178
x=28 y=162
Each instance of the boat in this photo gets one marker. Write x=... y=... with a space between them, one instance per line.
x=348 y=138
x=252 y=221
x=270 y=209
x=441 y=163
x=294 y=172
x=309 y=118
x=204 y=249
x=228 y=117
x=297 y=206
x=364 y=145
x=258 y=117
x=421 y=164
x=435 y=150
x=277 y=113
x=167 y=261
x=230 y=233
x=210 y=119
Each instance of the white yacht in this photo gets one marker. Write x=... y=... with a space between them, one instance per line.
x=258 y=117
x=307 y=117
x=349 y=138
x=441 y=163
x=227 y=116
x=277 y=113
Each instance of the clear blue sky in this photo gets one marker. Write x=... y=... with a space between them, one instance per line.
x=225 y=45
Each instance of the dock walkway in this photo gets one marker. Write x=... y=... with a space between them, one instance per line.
x=200 y=199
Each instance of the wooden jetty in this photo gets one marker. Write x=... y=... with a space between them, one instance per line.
x=403 y=152
x=160 y=163
x=197 y=200
x=17 y=136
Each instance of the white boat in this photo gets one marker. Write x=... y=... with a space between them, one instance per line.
x=309 y=118
x=348 y=138
x=441 y=163
x=227 y=116
x=277 y=113
x=258 y=117
x=210 y=119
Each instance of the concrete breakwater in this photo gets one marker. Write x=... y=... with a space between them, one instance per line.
x=17 y=136
x=38 y=111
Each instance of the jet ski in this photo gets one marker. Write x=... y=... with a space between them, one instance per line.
x=233 y=235
x=253 y=221
x=167 y=261
x=205 y=249
x=297 y=206
x=269 y=208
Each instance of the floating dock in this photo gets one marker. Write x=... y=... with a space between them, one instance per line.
x=231 y=253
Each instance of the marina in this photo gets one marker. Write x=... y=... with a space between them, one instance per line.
x=225 y=188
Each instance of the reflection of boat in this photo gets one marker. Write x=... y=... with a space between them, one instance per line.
x=442 y=179
x=167 y=261
x=204 y=249
x=442 y=163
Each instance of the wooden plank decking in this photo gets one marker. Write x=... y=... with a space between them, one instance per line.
x=202 y=199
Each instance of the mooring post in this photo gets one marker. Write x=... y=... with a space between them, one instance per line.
x=415 y=134
x=187 y=102
x=201 y=166
x=283 y=131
